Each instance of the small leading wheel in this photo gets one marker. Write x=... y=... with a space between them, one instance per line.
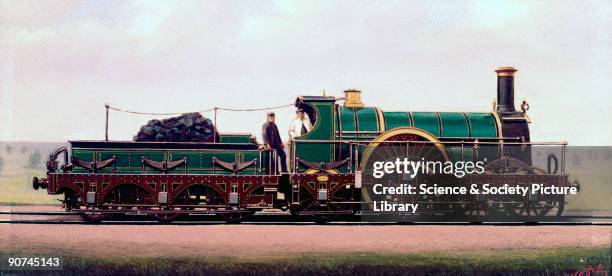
x=526 y=208
x=557 y=205
x=477 y=211
x=530 y=210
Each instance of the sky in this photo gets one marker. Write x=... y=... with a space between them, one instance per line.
x=61 y=61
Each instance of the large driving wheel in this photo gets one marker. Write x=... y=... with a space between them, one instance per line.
x=415 y=145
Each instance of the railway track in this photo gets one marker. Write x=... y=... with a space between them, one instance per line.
x=280 y=218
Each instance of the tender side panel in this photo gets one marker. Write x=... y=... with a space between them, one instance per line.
x=198 y=161
x=235 y=138
x=85 y=155
x=130 y=161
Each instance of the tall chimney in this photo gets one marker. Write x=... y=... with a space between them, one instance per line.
x=505 y=89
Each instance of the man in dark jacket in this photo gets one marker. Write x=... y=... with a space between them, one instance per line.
x=272 y=140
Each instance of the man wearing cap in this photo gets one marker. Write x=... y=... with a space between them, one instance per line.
x=272 y=140
x=300 y=126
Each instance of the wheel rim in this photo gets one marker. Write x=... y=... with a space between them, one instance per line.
x=419 y=145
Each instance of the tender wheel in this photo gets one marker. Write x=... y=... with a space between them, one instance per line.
x=199 y=196
x=128 y=196
x=94 y=217
x=236 y=217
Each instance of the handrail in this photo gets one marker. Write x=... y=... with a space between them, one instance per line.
x=444 y=138
x=355 y=145
x=564 y=143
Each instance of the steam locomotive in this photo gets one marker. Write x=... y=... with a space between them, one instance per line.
x=234 y=178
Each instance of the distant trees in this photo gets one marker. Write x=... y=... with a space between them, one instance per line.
x=9 y=149
x=1 y=163
x=34 y=159
x=23 y=149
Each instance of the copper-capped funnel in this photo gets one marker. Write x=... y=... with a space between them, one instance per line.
x=505 y=89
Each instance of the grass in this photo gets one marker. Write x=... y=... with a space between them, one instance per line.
x=542 y=261
x=16 y=182
x=17 y=190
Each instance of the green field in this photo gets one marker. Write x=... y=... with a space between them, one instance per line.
x=552 y=261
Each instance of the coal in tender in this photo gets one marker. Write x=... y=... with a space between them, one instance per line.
x=188 y=127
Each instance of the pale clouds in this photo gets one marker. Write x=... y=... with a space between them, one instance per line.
x=60 y=61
